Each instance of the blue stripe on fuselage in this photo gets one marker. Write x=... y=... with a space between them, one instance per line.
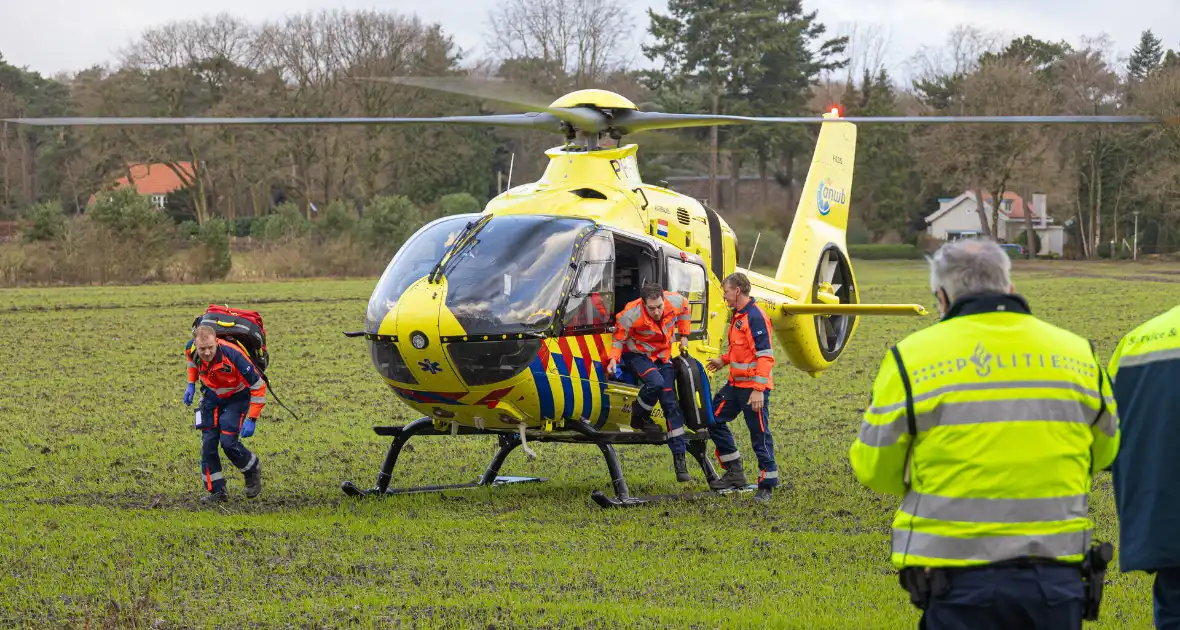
x=541 y=380
x=567 y=388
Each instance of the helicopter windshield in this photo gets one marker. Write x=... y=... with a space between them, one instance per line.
x=510 y=278
x=413 y=261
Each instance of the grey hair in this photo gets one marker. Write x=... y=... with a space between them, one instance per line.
x=966 y=267
x=204 y=330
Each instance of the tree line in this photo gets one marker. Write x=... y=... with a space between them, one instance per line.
x=748 y=57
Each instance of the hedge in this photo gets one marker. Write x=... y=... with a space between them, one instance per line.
x=885 y=252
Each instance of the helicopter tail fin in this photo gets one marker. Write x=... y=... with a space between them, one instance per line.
x=821 y=218
x=813 y=301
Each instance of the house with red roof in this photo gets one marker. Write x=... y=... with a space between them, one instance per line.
x=155 y=180
x=958 y=218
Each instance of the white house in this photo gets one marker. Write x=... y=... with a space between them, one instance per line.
x=958 y=218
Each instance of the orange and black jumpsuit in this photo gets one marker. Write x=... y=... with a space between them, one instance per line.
x=644 y=346
x=232 y=390
x=750 y=358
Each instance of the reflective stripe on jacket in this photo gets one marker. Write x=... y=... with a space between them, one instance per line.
x=637 y=332
x=230 y=372
x=750 y=356
x=1011 y=417
x=1145 y=372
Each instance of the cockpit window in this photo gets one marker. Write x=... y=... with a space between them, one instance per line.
x=511 y=278
x=413 y=261
x=591 y=304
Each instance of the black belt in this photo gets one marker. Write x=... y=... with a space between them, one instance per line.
x=922 y=584
x=1016 y=563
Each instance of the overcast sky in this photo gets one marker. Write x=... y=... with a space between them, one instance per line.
x=49 y=36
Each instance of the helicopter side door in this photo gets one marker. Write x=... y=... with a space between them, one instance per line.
x=687 y=276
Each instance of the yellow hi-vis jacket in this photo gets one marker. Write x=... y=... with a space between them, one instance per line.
x=1003 y=419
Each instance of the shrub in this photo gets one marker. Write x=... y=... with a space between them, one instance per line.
x=212 y=260
x=241 y=226
x=336 y=221
x=286 y=223
x=44 y=222
x=885 y=252
x=389 y=221
x=1022 y=239
x=126 y=213
x=458 y=203
x=188 y=230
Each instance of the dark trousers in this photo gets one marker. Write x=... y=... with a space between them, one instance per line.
x=726 y=404
x=1166 y=599
x=659 y=385
x=1043 y=597
x=221 y=422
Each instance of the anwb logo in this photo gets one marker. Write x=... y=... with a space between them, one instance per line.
x=826 y=195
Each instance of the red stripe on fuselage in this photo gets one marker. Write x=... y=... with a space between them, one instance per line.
x=587 y=361
x=602 y=356
x=566 y=354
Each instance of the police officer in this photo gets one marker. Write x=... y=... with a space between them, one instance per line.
x=750 y=359
x=643 y=342
x=233 y=395
x=1145 y=370
x=990 y=424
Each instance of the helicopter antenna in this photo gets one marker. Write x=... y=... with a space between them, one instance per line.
x=756 y=239
x=511 y=161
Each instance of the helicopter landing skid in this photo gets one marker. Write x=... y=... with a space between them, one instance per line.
x=425 y=426
x=576 y=431
x=604 y=501
x=623 y=498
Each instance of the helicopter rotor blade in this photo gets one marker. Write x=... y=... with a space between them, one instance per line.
x=634 y=121
x=503 y=92
x=534 y=120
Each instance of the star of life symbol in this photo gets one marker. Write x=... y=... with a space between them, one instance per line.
x=430 y=366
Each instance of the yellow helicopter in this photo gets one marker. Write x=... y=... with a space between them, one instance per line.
x=499 y=322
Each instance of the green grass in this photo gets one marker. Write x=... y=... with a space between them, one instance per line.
x=100 y=468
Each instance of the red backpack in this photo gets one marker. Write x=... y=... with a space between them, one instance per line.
x=241 y=327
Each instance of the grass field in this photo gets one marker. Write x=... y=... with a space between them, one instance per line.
x=100 y=483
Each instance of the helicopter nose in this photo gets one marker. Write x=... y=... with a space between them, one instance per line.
x=417 y=328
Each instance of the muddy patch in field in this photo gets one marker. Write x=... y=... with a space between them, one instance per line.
x=237 y=503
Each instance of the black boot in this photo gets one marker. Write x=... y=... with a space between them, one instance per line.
x=641 y=421
x=763 y=496
x=254 y=480
x=734 y=476
x=214 y=498
x=681 y=467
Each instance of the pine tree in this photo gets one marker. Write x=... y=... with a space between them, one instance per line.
x=1146 y=57
x=884 y=190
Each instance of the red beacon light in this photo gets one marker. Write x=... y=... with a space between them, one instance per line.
x=835 y=111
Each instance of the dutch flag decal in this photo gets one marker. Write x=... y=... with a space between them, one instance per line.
x=662 y=227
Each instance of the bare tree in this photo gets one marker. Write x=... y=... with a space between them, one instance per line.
x=174 y=60
x=1086 y=84
x=958 y=56
x=989 y=158
x=869 y=45
x=584 y=38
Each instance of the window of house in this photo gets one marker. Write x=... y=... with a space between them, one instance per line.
x=158 y=201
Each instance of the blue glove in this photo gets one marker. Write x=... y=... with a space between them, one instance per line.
x=247 y=428
x=188 y=394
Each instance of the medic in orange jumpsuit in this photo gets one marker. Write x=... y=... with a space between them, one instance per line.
x=750 y=358
x=233 y=395
x=643 y=342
